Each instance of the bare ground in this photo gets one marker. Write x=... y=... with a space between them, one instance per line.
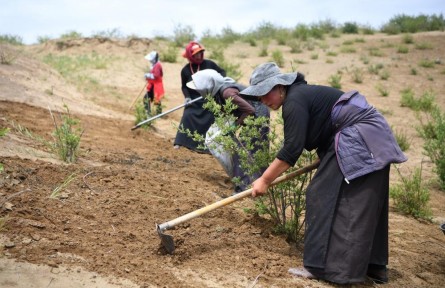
x=101 y=231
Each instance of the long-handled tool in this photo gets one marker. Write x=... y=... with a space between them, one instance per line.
x=167 y=240
x=139 y=95
x=165 y=113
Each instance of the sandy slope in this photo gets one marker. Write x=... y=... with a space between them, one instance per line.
x=129 y=180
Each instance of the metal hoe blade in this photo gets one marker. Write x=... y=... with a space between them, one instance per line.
x=166 y=240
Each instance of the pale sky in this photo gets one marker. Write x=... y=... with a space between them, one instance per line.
x=30 y=19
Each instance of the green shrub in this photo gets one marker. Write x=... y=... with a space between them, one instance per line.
x=8 y=56
x=408 y=39
x=426 y=63
x=424 y=103
x=71 y=35
x=367 y=30
x=350 y=28
x=251 y=40
x=170 y=55
x=402 y=140
x=357 y=75
x=109 y=33
x=433 y=133
x=376 y=52
x=383 y=91
x=285 y=202
x=348 y=49
x=183 y=35
x=295 y=46
x=411 y=196
x=334 y=81
x=43 y=39
x=384 y=74
x=233 y=70
x=66 y=137
x=11 y=39
x=424 y=46
x=141 y=115
x=277 y=57
x=375 y=68
x=412 y=24
x=402 y=49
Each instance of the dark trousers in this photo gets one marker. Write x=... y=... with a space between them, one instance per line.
x=359 y=233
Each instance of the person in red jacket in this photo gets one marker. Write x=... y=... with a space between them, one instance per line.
x=155 y=86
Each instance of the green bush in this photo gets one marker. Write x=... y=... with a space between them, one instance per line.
x=109 y=33
x=384 y=74
x=183 y=35
x=232 y=70
x=277 y=57
x=410 y=24
x=383 y=91
x=8 y=56
x=170 y=55
x=141 y=115
x=426 y=63
x=357 y=75
x=43 y=39
x=66 y=137
x=71 y=35
x=334 y=81
x=433 y=132
x=350 y=28
x=408 y=39
x=402 y=49
x=423 y=103
x=411 y=196
x=402 y=140
x=295 y=46
x=285 y=202
x=11 y=39
x=375 y=68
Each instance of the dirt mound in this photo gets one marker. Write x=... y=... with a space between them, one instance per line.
x=110 y=45
x=126 y=181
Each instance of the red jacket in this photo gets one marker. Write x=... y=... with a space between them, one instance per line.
x=156 y=83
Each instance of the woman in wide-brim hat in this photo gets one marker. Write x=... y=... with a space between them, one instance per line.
x=195 y=118
x=346 y=235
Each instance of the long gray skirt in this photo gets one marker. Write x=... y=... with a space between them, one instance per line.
x=358 y=234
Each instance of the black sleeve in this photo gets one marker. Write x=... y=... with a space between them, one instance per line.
x=215 y=66
x=296 y=118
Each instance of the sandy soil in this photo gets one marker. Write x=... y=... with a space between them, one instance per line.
x=101 y=232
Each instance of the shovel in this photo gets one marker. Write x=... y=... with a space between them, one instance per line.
x=165 y=113
x=167 y=240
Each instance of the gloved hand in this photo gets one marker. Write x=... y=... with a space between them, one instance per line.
x=187 y=100
x=149 y=76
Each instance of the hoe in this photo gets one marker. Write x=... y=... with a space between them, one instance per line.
x=167 y=240
x=165 y=113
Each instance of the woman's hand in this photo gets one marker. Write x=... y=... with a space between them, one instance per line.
x=275 y=169
x=259 y=187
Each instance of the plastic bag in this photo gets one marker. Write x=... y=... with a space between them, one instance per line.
x=224 y=157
